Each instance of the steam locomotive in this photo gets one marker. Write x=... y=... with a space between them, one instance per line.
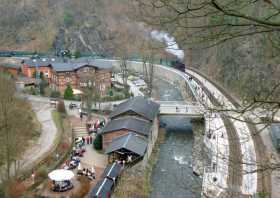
x=178 y=65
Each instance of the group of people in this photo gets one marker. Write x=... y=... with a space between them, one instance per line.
x=93 y=128
x=90 y=174
x=86 y=140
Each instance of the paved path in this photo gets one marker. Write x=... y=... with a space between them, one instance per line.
x=45 y=142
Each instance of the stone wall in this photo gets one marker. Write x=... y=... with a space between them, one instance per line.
x=151 y=141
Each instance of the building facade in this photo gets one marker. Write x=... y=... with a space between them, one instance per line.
x=78 y=73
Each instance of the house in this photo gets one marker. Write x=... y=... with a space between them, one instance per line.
x=133 y=122
x=11 y=68
x=127 y=146
x=138 y=107
x=29 y=67
x=122 y=126
x=78 y=73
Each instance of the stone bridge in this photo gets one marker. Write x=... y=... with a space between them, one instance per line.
x=190 y=109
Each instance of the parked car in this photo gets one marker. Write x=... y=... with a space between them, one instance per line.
x=53 y=101
x=72 y=105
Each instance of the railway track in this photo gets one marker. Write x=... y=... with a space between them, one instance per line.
x=235 y=168
x=263 y=176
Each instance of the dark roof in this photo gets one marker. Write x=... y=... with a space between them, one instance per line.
x=60 y=64
x=275 y=130
x=27 y=80
x=141 y=106
x=130 y=123
x=41 y=62
x=112 y=171
x=131 y=142
x=102 y=188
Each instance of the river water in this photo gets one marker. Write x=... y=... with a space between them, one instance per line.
x=172 y=175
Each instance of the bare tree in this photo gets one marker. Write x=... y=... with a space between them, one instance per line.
x=16 y=128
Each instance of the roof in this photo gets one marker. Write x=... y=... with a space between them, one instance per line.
x=102 y=188
x=112 y=171
x=40 y=62
x=275 y=130
x=61 y=65
x=131 y=142
x=133 y=124
x=27 y=80
x=141 y=106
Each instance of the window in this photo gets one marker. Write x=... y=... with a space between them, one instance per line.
x=46 y=74
x=86 y=69
x=67 y=79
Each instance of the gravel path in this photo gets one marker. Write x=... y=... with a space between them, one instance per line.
x=45 y=142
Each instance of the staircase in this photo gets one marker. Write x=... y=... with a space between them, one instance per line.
x=80 y=131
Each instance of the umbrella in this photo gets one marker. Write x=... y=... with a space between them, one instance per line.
x=61 y=175
x=77 y=92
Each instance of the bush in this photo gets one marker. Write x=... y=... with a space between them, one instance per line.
x=42 y=86
x=97 y=143
x=55 y=94
x=68 y=93
x=61 y=107
x=15 y=189
x=42 y=172
x=83 y=189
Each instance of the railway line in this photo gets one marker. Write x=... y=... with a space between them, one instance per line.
x=234 y=179
x=263 y=177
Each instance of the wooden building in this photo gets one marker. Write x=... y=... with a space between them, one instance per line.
x=123 y=126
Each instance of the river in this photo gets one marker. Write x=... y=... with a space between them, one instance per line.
x=172 y=175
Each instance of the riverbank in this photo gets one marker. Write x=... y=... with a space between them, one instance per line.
x=136 y=181
x=198 y=149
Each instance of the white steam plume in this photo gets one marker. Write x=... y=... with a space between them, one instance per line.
x=172 y=46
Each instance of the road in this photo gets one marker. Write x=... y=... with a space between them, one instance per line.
x=48 y=134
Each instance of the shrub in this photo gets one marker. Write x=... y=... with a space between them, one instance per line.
x=42 y=172
x=97 y=143
x=83 y=189
x=42 y=85
x=55 y=94
x=15 y=189
x=68 y=93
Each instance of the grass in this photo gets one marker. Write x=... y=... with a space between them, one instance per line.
x=135 y=182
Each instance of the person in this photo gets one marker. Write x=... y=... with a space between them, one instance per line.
x=87 y=139
x=83 y=139
x=81 y=116
x=123 y=163
x=33 y=177
x=90 y=139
